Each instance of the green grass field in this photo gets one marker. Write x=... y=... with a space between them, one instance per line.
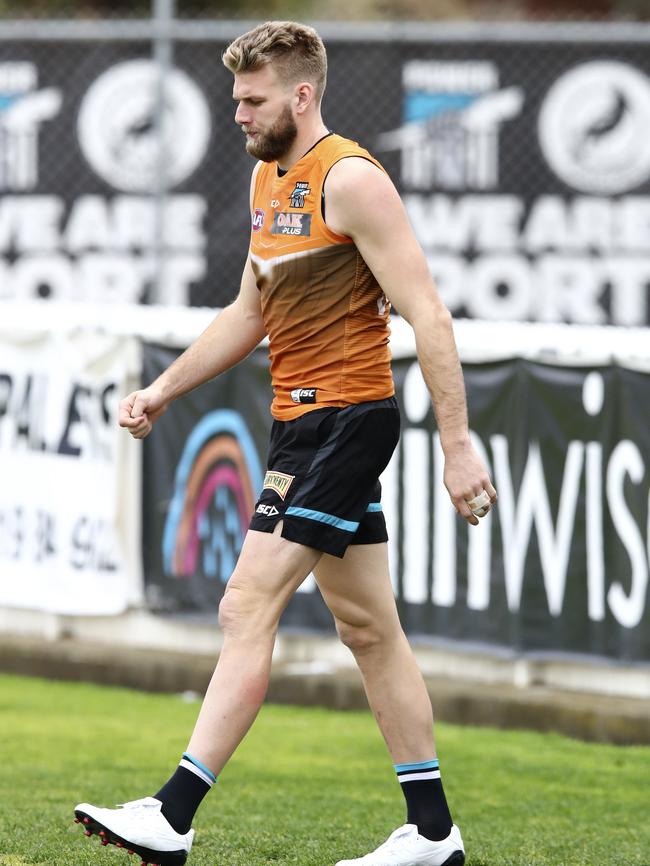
x=307 y=787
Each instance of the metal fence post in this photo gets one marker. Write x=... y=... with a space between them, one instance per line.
x=163 y=13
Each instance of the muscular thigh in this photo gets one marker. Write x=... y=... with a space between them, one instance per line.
x=357 y=589
x=269 y=570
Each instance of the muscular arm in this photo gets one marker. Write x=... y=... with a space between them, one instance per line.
x=230 y=337
x=363 y=204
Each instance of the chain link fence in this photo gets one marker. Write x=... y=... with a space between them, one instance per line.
x=518 y=148
x=58 y=10
x=341 y=10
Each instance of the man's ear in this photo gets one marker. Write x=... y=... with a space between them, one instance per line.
x=304 y=96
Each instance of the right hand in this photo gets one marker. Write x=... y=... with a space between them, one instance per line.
x=140 y=409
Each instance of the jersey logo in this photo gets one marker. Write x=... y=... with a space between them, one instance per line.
x=258 y=219
x=304 y=395
x=267 y=510
x=278 y=481
x=299 y=193
x=291 y=224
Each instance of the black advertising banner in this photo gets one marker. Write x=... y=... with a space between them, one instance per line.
x=522 y=165
x=561 y=564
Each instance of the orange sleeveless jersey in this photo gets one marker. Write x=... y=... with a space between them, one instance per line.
x=325 y=314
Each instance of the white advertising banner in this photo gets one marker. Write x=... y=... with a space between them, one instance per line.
x=69 y=477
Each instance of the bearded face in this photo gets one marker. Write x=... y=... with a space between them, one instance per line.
x=275 y=141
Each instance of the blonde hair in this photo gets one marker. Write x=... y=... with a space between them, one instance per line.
x=295 y=50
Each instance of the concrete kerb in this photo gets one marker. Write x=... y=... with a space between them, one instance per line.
x=588 y=716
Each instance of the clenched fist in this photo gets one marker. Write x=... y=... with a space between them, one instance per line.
x=140 y=409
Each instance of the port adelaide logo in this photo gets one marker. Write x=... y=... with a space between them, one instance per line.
x=453 y=112
x=298 y=195
x=23 y=111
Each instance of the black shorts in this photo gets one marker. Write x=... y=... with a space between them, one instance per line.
x=323 y=473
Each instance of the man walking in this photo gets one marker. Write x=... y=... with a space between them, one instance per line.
x=331 y=248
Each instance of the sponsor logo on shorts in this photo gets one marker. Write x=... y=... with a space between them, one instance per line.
x=258 y=219
x=304 y=395
x=267 y=510
x=299 y=193
x=278 y=481
x=291 y=224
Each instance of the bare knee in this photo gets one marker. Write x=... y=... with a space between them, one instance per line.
x=230 y=611
x=245 y=613
x=361 y=637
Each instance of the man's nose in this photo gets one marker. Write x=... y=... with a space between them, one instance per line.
x=242 y=115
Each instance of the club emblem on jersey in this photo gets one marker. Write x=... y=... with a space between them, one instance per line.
x=278 y=481
x=291 y=224
x=258 y=219
x=299 y=193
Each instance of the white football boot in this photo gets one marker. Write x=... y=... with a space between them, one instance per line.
x=140 y=827
x=405 y=847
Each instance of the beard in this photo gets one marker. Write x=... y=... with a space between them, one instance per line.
x=276 y=141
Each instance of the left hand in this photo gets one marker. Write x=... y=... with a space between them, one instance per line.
x=466 y=477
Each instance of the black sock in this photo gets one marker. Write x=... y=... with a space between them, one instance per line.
x=426 y=803
x=181 y=796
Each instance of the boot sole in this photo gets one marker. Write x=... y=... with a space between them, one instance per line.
x=108 y=837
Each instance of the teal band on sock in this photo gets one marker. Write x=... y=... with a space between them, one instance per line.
x=422 y=765
x=201 y=766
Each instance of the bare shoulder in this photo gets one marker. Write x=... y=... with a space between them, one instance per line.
x=256 y=169
x=357 y=173
x=356 y=190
